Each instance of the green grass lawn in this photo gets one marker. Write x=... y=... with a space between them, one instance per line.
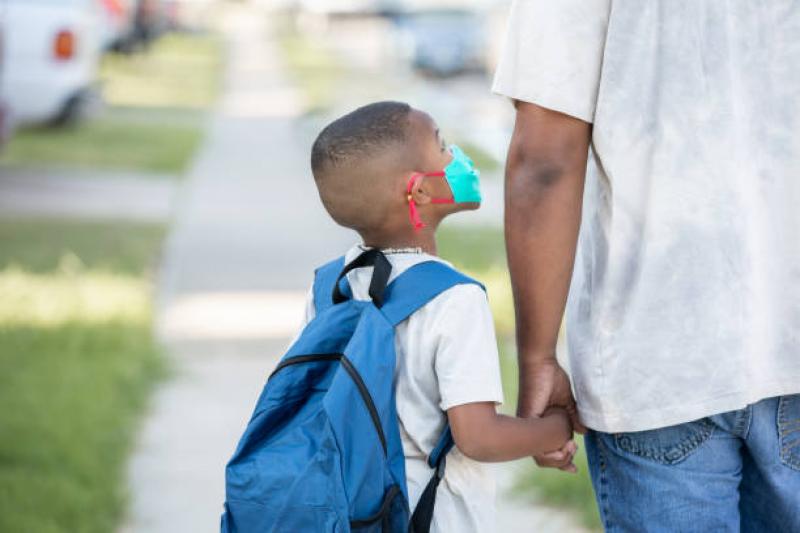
x=481 y=254
x=178 y=71
x=154 y=121
x=107 y=142
x=77 y=362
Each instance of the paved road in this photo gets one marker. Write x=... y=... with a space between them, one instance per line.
x=248 y=232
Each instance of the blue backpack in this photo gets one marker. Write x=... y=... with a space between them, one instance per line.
x=322 y=451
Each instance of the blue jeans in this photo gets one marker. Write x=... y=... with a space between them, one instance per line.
x=737 y=471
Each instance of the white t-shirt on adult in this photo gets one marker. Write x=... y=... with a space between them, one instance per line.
x=446 y=356
x=686 y=295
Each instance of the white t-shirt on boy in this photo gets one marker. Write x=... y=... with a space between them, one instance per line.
x=446 y=356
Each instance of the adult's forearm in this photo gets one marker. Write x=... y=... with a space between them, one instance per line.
x=542 y=224
x=544 y=189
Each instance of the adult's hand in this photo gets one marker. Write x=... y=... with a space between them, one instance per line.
x=544 y=386
x=545 y=174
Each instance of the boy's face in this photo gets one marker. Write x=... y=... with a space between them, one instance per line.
x=434 y=156
x=432 y=148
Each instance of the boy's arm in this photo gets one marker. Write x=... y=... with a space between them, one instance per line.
x=484 y=435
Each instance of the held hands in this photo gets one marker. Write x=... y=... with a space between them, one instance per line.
x=545 y=391
x=560 y=458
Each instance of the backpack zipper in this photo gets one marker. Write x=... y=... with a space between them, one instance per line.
x=354 y=375
x=391 y=494
x=365 y=395
x=305 y=359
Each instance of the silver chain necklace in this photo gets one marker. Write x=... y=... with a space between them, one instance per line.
x=389 y=251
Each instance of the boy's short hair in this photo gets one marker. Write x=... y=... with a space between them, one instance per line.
x=341 y=157
x=359 y=134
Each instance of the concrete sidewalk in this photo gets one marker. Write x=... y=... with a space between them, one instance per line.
x=93 y=194
x=247 y=235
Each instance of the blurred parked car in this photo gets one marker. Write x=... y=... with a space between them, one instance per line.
x=116 y=22
x=144 y=21
x=191 y=15
x=445 y=42
x=50 y=58
x=348 y=8
x=149 y=21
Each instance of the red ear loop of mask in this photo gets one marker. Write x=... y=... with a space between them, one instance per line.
x=413 y=212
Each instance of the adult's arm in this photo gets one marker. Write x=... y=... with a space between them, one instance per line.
x=545 y=175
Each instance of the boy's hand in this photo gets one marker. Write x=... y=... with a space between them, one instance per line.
x=562 y=457
x=562 y=424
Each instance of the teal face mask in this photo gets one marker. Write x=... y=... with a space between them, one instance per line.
x=462 y=177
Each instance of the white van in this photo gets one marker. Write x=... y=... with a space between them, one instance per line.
x=50 y=58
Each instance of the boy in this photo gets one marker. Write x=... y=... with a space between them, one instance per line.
x=384 y=171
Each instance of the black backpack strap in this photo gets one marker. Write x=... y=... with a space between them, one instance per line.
x=423 y=513
x=331 y=287
x=381 y=271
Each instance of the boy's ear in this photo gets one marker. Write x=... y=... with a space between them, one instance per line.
x=420 y=192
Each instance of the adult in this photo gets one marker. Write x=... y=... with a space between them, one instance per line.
x=684 y=311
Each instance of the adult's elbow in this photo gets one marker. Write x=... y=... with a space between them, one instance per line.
x=547 y=148
x=528 y=174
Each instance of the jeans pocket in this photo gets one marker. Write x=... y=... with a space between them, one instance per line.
x=669 y=445
x=789 y=430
